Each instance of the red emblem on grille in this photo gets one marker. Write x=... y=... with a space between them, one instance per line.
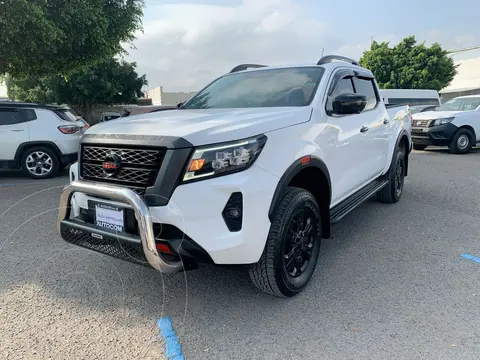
x=111 y=165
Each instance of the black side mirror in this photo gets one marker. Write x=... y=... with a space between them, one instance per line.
x=180 y=104
x=346 y=104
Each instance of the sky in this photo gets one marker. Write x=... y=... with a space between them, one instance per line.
x=187 y=43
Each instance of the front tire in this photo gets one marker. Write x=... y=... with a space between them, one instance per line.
x=393 y=191
x=419 y=147
x=461 y=142
x=293 y=244
x=40 y=162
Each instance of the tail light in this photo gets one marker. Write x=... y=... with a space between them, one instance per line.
x=68 y=129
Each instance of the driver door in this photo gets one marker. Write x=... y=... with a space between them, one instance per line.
x=343 y=144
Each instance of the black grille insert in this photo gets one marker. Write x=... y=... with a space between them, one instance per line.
x=109 y=246
x=138 y=169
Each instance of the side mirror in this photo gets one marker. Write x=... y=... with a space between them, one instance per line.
x=346 y=104
x=180 y=104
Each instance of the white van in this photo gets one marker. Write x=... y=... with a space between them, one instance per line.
x=410 y=97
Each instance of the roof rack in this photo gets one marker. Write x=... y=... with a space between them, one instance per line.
x=19 y=104
x=242 y=67
x=330 y=58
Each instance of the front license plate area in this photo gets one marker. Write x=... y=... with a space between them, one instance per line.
x=107 y=216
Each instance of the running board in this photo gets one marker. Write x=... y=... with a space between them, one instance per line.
x=350 y=203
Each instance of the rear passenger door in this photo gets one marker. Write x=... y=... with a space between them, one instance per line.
x=375 y=128
x=14 y=130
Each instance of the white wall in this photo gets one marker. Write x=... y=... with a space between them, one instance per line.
x=160 y=97
x=3 y=92
x=468 y=76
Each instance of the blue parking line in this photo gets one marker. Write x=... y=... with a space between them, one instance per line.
x=471 y=257
x=173 y=347
x=31 y=183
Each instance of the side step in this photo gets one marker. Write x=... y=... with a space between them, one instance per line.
x=350 y=203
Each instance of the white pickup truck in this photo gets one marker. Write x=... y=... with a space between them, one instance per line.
x=455 y=124
x=251 y=171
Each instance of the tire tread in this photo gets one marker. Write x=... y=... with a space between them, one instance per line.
x=263 y=273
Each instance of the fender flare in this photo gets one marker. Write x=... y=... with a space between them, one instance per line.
x=403 y=134
x=24 y=145
x=290 y=173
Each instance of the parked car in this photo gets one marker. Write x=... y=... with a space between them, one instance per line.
x=109 y=115
x=39 y=139
x=252 y=171
x=455 y=124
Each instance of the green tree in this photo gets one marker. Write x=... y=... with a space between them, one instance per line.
x=409 y=65
x=106 y=83
x=41 y=38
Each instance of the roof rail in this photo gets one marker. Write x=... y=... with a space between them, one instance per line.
x=242 y=67
x=330 y=58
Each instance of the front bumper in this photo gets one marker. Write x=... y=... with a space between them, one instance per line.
x=69 y=229
x=193 y=217
x=69 y=158
x=437 y=135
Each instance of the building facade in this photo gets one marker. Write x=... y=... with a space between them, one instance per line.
x=466 y=82
x=160 y=97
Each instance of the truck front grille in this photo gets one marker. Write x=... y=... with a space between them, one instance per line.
x=138 y=167
x=420 y=123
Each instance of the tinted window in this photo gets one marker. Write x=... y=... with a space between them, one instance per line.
x=261 y=88
x=9 y=117
x=366 y=88
x=27 y=114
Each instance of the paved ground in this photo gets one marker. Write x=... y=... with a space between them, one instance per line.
x=390 y=284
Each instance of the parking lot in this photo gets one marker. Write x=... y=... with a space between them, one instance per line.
x=390 y=284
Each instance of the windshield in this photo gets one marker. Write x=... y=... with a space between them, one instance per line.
x=460 y=104
x=261 y=88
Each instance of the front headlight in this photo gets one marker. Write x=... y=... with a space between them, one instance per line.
x=442 y=121
x=226 y=158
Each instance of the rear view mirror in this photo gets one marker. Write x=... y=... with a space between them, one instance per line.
x=346 y=104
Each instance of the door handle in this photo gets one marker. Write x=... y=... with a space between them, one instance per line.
x=386 y=121
x=364 y=128
x=17 y=130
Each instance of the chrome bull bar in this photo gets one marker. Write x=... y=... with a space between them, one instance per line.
x=142 y=214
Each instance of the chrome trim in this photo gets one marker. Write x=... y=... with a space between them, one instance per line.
x=142 y=214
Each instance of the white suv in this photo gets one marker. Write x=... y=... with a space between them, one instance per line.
x=39 y=139
x=252 y=170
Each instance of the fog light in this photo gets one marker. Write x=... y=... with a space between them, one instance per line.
x=233 y=212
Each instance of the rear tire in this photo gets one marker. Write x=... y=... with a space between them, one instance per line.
x=40 y=162
x=461 y=142
x=419 y=147
x=290 y=255
x=393 y=191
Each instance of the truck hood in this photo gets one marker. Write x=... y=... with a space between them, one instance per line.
x=431 y=115
x=206 y=126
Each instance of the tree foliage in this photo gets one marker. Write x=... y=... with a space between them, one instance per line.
x=47 y=37
x=106 y=83
x=409 y=65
